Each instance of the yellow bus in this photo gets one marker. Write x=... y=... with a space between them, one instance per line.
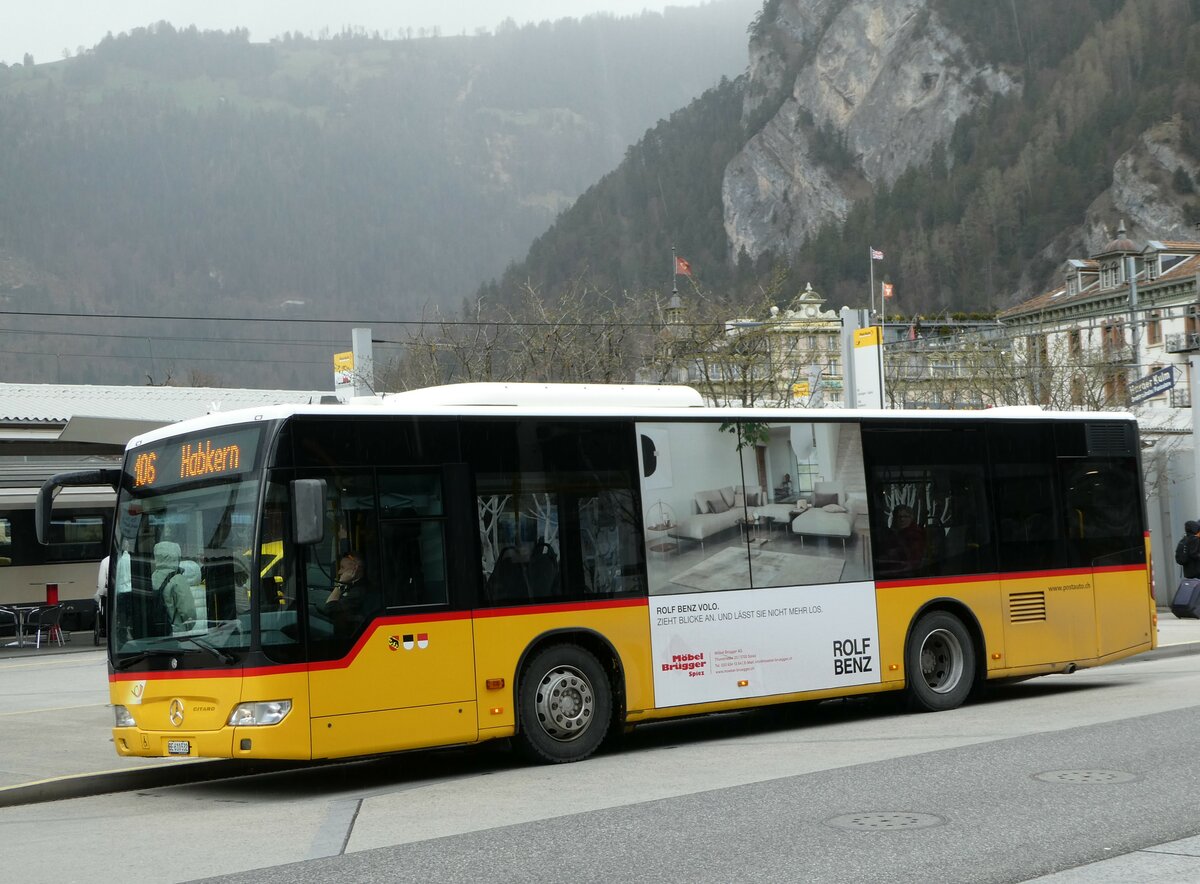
x=554 y=563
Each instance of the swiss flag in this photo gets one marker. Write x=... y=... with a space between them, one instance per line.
x=682 y=267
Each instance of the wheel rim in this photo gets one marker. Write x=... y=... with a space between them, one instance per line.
x=565 y=703
x=941 y=661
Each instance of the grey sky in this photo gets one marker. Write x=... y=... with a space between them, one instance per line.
x=46 y=27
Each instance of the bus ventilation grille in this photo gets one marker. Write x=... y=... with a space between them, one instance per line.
x=1109 y=438
x=1027 y=607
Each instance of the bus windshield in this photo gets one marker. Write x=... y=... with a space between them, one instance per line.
x=183 y=550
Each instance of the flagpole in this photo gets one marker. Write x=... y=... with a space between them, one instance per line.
x=879 y=347
x=871 y=264
x=674 y=271
x=883 y=402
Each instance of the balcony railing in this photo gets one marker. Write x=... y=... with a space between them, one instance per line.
x=1184 y=342
x=1181 y=397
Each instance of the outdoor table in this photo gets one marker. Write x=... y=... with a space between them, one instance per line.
x=19 y=612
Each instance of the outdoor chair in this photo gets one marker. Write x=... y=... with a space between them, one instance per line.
x=8 y=617
x=45 y=622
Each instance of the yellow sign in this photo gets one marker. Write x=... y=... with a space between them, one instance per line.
x=343 y=361
x=800 y=390
x=867 y=337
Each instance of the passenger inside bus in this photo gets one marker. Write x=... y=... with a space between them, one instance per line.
x=346 y=602
x=169 y=581
x=905 y=543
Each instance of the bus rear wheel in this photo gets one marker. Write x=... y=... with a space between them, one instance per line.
x=939 y=661
x=564 y=705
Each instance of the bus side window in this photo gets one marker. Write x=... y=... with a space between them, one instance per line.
x=412 y=538
x=414 y=569
x=929 y=501
x=1024 y=479
x=555 y=501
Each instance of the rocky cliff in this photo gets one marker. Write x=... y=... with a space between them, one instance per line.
x=886 y=81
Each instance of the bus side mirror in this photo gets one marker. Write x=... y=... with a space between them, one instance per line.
x=308 y=510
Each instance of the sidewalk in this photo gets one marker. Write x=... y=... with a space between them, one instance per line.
x=55 y=730
x=55 y=724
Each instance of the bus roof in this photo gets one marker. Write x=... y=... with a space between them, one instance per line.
x=640 y=401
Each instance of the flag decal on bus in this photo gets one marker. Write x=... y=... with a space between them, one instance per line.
x=394 y=642
x=422 y=641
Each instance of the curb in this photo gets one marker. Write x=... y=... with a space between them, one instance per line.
x=172 y=774
x=1179 y=649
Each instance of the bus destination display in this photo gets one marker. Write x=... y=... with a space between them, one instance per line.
x=194 y=458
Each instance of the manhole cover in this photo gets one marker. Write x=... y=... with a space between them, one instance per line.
x=884 y=821
x=1087 y=777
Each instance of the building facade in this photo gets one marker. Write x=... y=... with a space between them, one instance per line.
x=1118 y=331
x=789 y=357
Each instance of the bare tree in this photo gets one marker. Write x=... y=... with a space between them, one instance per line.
x=996 y=368
x=585 y=336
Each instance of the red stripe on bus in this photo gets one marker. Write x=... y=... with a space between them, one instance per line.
x=1012 y=575
x=348 y=658
x=562 y=607
x=936 y=581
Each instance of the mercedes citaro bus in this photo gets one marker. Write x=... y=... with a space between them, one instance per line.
x=553 y=563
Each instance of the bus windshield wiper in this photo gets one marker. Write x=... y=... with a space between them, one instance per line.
x=227 y=657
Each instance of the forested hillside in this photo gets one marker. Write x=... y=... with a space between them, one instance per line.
x=977 y=144
x=171 y=171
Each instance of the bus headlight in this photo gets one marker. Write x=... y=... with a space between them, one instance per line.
x=254 y=714
x=123 y=718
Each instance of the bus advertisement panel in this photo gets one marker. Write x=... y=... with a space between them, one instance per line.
x=718 y=646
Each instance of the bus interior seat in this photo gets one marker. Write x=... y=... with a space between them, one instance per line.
x=507 y=581
x=542 y=572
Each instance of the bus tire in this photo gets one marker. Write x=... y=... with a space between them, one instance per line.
x=939 y=661
x=564 y=705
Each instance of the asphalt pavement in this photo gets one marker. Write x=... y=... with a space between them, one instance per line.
x=55 y=743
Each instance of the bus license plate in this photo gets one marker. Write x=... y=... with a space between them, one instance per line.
x=179 y=747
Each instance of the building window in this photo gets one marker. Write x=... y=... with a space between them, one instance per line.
x=1152 y=267
x=1191 y=322
x=1113 y=336
x=1154 y=328
x=1074 y=342
x=1116 y=390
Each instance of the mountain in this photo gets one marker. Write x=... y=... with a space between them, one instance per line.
x=977 y=144
x=178 y=172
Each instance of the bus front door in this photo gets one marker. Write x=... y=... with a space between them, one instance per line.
x=408 y=682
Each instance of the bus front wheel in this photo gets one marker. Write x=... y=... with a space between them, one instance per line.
x=939 y=661
x=565 y=705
